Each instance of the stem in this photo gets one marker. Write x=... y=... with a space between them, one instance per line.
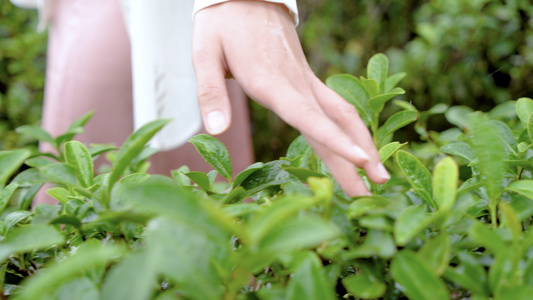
x=493 y=216
x=374 y=129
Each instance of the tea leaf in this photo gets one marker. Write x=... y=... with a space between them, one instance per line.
x=506 y=136
x=366 y=205
x=309 y=280
x=413 y=274
x=215 y=153
x=5 y=195
x=445 y=177
x=353 y=91
x=393 y=80
x=297 y=147
x=24 y=239
x=437 y=253
x=201 y=179
x=85 y=259
x=60 y=173
x=410 y=223
x=395 y=122
x=470 y=274
x=364 y=285
x=510 y=220
x=271 y=174
x=460 y=149
x=133 y=146
x=10 y=161
x=489 y=151
x=302 y=173
x=80 y=289
x=418 y=175
x=377 y=222
x=530 y=127
x=79 y=158
x=371 y=86
x=487 y=238
x=458 y=116
x=81 y=121
x=388 y=150
x=377 y=102
x=37 y=133
x=504 y=270
x=377 y=243
x=378 y=69
x=524 y=110
x=523 y=187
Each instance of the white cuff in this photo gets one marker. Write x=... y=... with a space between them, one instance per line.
x=290 y=4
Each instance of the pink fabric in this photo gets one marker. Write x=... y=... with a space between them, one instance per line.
x=89 y=68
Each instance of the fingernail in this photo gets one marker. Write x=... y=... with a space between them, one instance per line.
x=216 y=123
x=357 y=151
x=382 y=172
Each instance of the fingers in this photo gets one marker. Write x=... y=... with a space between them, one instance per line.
x=342 y=170
x=208 y=61
x=345 y=115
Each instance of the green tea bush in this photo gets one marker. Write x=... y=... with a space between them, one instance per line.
x=456 y=226
x=22 y=68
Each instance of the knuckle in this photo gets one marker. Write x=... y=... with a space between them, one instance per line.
x=210 y=93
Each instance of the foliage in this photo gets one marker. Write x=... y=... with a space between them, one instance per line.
x=22 y=68
x=280 y=230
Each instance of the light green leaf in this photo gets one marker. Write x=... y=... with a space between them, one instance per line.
x=29 y=238
x=504 y=270
x=487 y=238
x=133 y=146
x=371 y=86
x=14 y=218
x=489 y=151
x=201 y=179
x=458 y=116
x=39 y=161
x=530 y=127
x=411 y=222
x=395 y=122
x=377 y=243
x=418 y=175
x=215 y=153
x=524 y=110
x=437 y=253
x=470 y=274
x=80 y=289
x=506 y=136
x=10 y=161
x=59 y=173
x=366 y=205
x=445 y=177
x=309 y=280
x=378 y=69
x=377 y=222
x=60 y=194
x=79 y=158
x=85 y=259
x=297 y=147
x=510 y=220
x=364 y=285
x=388 y=150
x=171 y=200
x=460 y=149
x=37 y=133
x=393 y=80
x=302 y=173
x=377 y=102
x=353 y=91
x=523 y=187
x=296 y=233
x=5 y=195
x=416 y=277
x=96 y=150
x=133 y=278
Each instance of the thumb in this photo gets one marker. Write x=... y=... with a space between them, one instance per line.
x=212 y=93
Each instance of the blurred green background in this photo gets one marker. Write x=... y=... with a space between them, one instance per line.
x=459 y=52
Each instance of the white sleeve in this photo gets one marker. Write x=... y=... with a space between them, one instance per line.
x=290 y=4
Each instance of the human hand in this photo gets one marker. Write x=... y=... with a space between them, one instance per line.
x=257 y=44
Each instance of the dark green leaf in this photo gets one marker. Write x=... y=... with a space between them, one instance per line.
x=297 y=147
x=271 y=174
x=215 y=153
x=302 y=173
x=247 y=172
x=416 y=277
x=506 y=136
x=504 y=270
x=60 y=173
x=14 y=218
x=377 y=243
x=470 y=274
x=364 y=285
x=487 y=238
